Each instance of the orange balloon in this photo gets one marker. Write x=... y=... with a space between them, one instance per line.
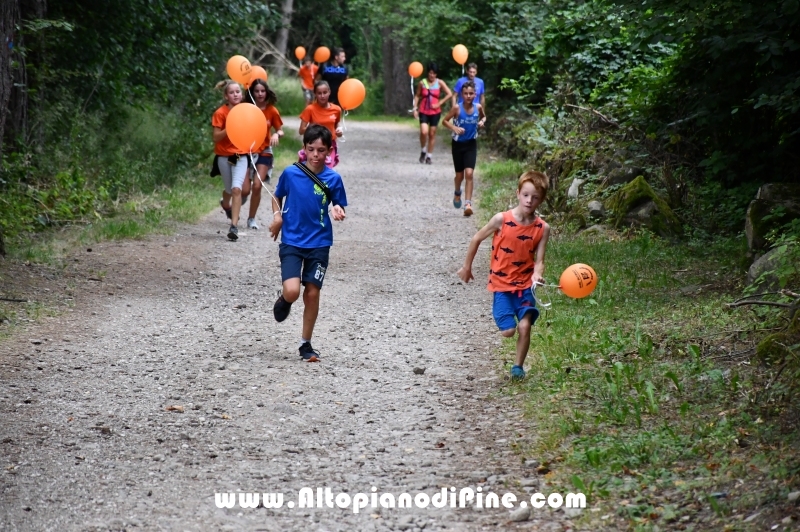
x=246 y=127
x=322 y=54
x=239 y=69
x=351 y=94
x=460 y=54
x=415 y=69
x=579 y=280
x=299 y=53
x=256 y=72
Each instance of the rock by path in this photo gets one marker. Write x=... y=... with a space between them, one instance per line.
x=185 y=320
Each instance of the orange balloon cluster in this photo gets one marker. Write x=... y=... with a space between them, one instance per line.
x=322 y=54
x=460 y=54
x=239 y=69
x=246 y=127
x=351 y=94
x=415 y=69
x=256 y=72
x=299 y=53
x=579 y=280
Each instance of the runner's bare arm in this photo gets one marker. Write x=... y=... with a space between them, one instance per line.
x=494 y=225
x=448 y=120
x=450 y=94
x=481 y=114
x=219 y=134
x=538 y=267
x=303 y=127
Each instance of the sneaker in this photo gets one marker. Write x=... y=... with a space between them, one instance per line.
x=422 y=155
x=227 y=211
x=233 y=233
x=251 y=224
x=467 y=208
x=428 y=159
x=281 y=309
x=517 y=373
x=457 y=199
x=308 y=353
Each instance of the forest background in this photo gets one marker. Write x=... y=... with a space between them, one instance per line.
x=104 y=123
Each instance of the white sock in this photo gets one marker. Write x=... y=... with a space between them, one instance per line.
x=424 y=149
x=303 y=341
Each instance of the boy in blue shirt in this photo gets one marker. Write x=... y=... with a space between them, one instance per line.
x=307 y=233
x=480 y=90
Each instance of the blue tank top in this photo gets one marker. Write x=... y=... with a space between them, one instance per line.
x=469 y=122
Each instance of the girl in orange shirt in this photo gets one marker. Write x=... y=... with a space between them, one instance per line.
x=307 y=73
x=326 y=114
x=232 y=163
x=264 y=98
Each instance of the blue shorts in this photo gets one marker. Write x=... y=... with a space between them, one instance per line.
x=510 y=307
x=266 y=160
x=307 y=264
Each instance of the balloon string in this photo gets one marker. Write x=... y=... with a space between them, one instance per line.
x=412 y=93
x=263 y=185
x=344 y=126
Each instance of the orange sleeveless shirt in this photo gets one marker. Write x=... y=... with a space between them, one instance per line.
x=514 y=254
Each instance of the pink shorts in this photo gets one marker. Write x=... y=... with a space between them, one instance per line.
x=331 y=160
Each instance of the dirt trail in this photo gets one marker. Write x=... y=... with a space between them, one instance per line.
x=186 y=319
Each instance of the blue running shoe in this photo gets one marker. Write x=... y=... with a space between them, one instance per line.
x=457 y=199
x=517 y=373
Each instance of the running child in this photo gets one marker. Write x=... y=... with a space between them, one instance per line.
x=307 y=73
x=308 y=191
x=427 y=108
x=264 y=98
x=231 y=162
x=464 y=120
x=517 y=263
x=324 y=113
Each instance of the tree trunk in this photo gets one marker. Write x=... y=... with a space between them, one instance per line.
x=283 y=33
x=397 y=97
x=9 y=18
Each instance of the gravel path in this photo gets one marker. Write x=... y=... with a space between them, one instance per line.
x=87 y=442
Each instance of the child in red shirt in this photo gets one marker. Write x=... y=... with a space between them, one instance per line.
x=307 y=73
x=518 y=247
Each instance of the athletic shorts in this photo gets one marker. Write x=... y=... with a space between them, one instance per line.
x=510 y=307
x=233 y=170
x=431 y=120
x=266 y=160
x=309 y=264
x=465 y=154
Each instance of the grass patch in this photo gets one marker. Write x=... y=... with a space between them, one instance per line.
x=633 y=396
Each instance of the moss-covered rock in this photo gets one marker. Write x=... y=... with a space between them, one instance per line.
x=637 y=204
x=781 y=201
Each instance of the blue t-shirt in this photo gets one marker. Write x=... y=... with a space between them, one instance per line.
x=306 y=223
x=479 y=88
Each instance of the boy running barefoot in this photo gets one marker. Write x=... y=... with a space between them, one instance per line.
x=307 y=233
x=518 y=246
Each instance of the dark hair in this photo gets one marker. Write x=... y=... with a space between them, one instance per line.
x=472 y=65
x=468 y=84
x=321 y=82
x=307 y=59
x=271 y=98
x=316 y=131
x=337 y=51
x=433 y=66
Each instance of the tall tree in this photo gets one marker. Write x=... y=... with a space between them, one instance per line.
x=9 y=19
x=396 y=86
x=283 y=33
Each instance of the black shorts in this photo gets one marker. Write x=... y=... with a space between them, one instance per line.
x=465 y=154
x=307 y=264
x=431 y=120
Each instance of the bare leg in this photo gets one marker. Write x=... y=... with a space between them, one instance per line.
x=226 y=200
x=311 y=302
x=523 y=339
x=423 y=135
x=255 y=201
x=431 y=138
x=236 y=205
x=457 y=181
x=468 y=187
x=291 y=289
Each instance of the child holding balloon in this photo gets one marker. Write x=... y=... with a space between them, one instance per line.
x=232 y=163
x=324 y=113
x=307 y=73
x=265 y=99
x=428 y=110
x=517 y=263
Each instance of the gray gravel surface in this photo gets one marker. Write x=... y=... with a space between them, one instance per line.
x=185 y=320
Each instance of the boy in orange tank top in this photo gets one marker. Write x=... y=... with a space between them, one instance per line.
x=517 y=263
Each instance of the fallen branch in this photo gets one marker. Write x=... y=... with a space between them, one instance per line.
x=601 y=115
x=759 y=302
x=13 y=300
